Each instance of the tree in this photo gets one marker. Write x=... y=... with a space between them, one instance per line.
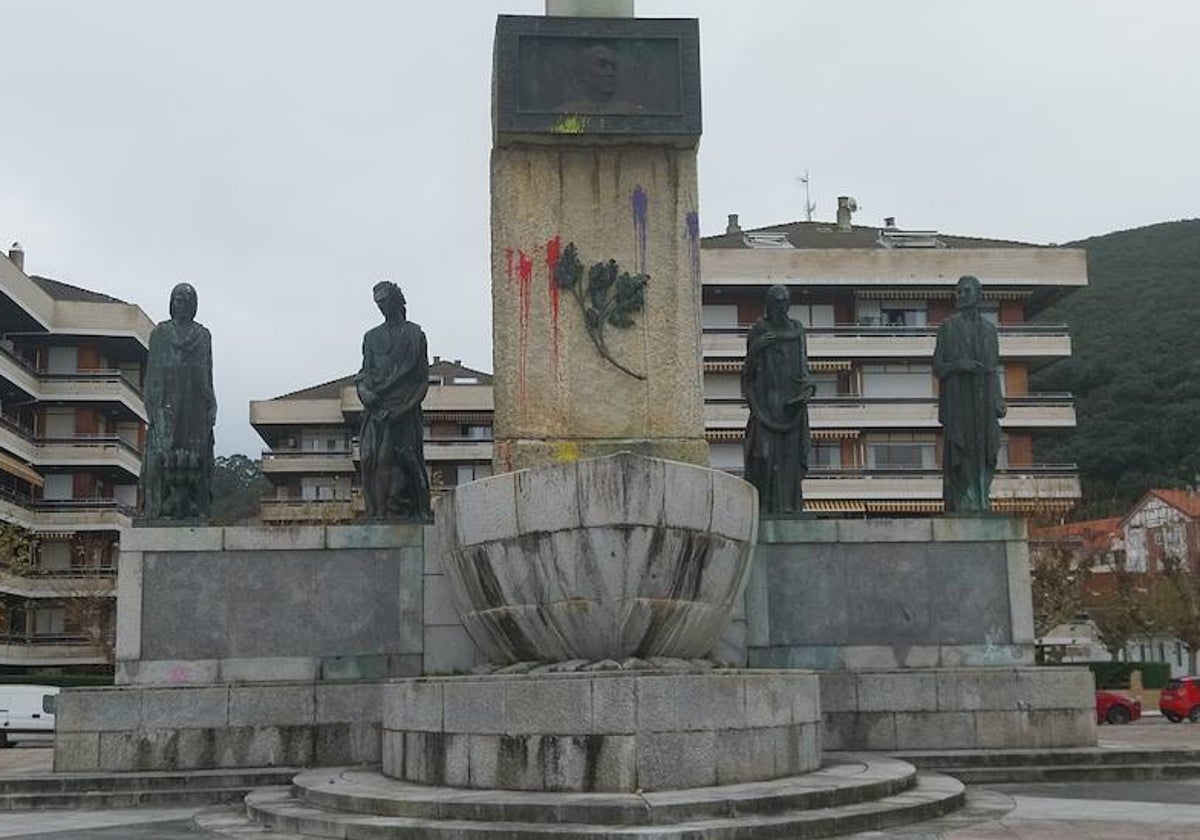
x=1175 y=605
x=1059 y=571
x=238 y=486
x=1117 y=602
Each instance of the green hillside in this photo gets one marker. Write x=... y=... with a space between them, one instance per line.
x=1135 y=368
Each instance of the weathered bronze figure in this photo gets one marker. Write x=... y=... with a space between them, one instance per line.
x=178 y=463
x=391 y=385
x=777 y=387
x=970 y=405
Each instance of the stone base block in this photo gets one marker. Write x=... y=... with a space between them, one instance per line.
x=602 y=731
x=264 y=603
x=958 y=709
x=133 y=728
x=871 y=594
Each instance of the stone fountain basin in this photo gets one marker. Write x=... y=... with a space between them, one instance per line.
x=606 y=558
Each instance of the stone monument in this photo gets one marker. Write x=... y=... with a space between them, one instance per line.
x=391 y=385
x=777 y=387
x=966 y=361
x=177 y=466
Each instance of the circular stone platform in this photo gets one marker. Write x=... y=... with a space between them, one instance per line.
x=609 y=731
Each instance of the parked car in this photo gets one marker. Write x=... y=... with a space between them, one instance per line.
x=1181 y=699
x=26 y=711
x=1117 y=707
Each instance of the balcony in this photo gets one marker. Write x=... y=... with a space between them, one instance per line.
x=88 y=451
x=458 y=449
x=858 y=341
x=1033 y=411
x=91 y=387
x=49 y=649
x=100 y=582
x=40 y=515
x=307 y=462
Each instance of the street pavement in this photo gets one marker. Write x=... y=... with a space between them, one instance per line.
x=1163 y=810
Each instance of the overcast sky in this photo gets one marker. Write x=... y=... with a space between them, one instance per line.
x=284 y=156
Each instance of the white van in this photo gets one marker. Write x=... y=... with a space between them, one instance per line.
x=26 y=712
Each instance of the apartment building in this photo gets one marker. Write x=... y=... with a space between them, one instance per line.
x=72 y=429
x=871 y=298
x=312 y=457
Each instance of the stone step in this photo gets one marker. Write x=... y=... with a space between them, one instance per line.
x=133 y=790
x=363 y=791
x=933 y=795
x=942 y=760
x=1073 y=773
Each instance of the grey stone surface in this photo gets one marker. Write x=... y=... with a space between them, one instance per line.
x=562 y=707
x=348 y=703
x=473 y=705
x=485 y=510
x=274 y=537
x=548 y=499
x=978 y=529
x=449 y=650
x=1020 y=588
x=615 y=705
x=76 y=752
x=1056 y=688
x=936 y=731
x=129 y=605
x=687 y=499
x=898 y=691
x=376 y=535
x=898 y=595
x=181 y=538
x=799 y=530
x=731 y=647
x=258 y=604
x=271 y=705
x=438 y=609
x=97 y=709
x=270 y=668
x=168 y=672
x=978 y=690
x=186 y=708
x=885 y=530
x=859 y=731
x=674 y=760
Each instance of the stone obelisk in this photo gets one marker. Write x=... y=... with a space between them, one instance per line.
x=595 y=236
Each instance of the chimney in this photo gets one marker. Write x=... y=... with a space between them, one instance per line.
x=17 y=254
x=458 y=362
x=889 y=221
x=436 y=359
x=846 y=206
x=733 y=226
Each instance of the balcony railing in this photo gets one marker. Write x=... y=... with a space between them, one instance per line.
x=97 y=503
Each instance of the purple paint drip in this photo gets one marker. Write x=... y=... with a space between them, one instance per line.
x=692 y=228
x=641 y=206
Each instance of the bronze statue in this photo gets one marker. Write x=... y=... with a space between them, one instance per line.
x=970 y=405
x=777 y=387
x=391 y=385
x=177 y=465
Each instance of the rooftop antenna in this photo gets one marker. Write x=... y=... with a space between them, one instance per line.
x=809 y=205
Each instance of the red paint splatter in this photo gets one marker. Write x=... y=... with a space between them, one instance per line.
x=508 y=259
x=553 y=252
x=525 y=277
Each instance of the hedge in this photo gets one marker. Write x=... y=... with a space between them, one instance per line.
x=1117 y=674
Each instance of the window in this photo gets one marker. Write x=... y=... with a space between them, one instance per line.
x=49 y=621
x=476 y=432
x=897 y=380
x=901 y=451
x=727 y=457
x=59 y=487
x=722 y=385
x=62 y=359
x=719 y=315
x=893 y=313
x=49 y=703
x=466 y=380
x=812 y=314
x=827 y=384
x=317 y=488
x=827 y=455
x=54 y=556
x=473 y=472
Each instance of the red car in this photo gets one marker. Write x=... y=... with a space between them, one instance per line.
x=1115 y=707
x=1181 y=699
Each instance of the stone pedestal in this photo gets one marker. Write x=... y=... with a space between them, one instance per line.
x=602 y=731
x=857 y=594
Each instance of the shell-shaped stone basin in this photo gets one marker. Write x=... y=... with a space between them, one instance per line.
x=604 y=558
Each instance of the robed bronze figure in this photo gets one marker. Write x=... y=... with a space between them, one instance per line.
x=777 y=386
x=391 y=385
x=966 y=361
x=177 y=465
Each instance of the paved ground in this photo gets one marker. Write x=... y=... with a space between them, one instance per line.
x=1168 y=810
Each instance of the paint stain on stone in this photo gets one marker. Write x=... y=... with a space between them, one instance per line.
x=692 y=232
x=525 y=281
x=640 y=202
x=553 y=253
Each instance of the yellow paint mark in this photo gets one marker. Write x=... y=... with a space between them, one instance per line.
x=570 y=124
x=566 y=452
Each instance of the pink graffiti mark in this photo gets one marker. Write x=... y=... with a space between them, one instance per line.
x=525 y=280
x=553 y=252
x=508 y=261
x=179 y=674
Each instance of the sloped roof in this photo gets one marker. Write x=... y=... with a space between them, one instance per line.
x=65 y=291
x=826 y=235
x=1187 y=501
x=332 y=390
x=1093 y=534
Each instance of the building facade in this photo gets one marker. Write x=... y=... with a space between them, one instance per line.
x=312 y=457
x=871 y=298
x=72 y=429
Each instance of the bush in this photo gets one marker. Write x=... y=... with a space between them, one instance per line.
x=1115 y=675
